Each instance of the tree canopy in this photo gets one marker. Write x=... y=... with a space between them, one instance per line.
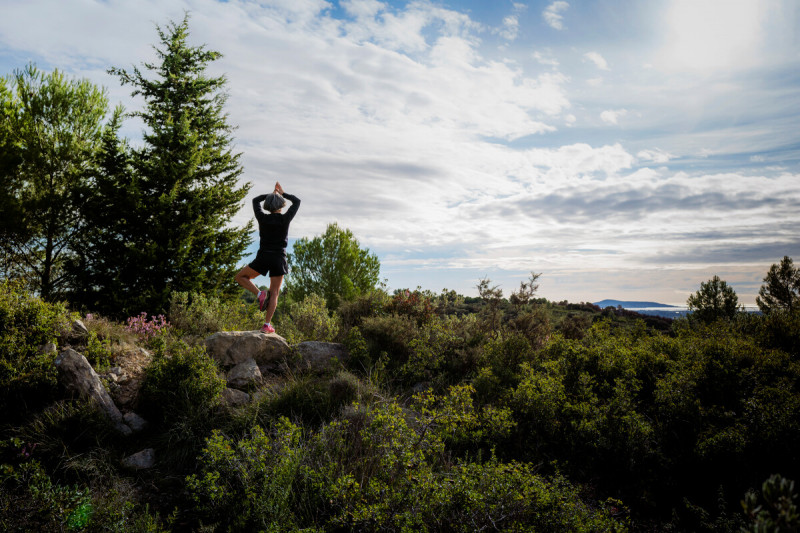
x=781 y=288
x=49 y=139
x=169 y=203
x=332 y=265
x=715 y=299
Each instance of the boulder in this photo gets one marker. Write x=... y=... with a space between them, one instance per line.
x=48 y=348
x=140 y=460
x=230 y=348
x=234 y=398
x=317 y=355
x=78 y=377
x=135 y=422
x=79 y=329
x=244 y=374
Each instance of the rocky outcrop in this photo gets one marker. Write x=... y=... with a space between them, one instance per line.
x=78 y=377
x=234 y=398
x=140 y=460
x=229 y=348
x=270 y=352
x=318 y=355
x=244 y=374
x=135 y=422
x=79 y=329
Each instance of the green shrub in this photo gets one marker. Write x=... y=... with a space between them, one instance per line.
x=313 y=400
x=31 y=501
x=249 y=485
x=308 y=320
x=391 y=334
x=198 y=315
x=776 y=510
x=65 y=435
x=380 y=469
x=98 y=352
x=360 y=359
x=370 y=304
x=181 y=382
x=27 y=376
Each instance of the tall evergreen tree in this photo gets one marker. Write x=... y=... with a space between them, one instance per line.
x=781 y=288
x=171 y=204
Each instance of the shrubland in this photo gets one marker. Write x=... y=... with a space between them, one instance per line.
x=449 y=414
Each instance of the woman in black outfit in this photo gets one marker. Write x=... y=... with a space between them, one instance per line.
x=273 y=229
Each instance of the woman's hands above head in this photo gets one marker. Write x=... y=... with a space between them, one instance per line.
x=278 y=188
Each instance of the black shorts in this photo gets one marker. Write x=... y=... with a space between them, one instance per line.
x=270 y=263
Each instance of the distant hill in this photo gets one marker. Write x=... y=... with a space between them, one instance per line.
x=629 y=305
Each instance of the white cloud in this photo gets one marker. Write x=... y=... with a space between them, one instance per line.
x=597 y=59
x=595 y=82
x=757 y=158
x=709 y=35
x=510 y=29
x=656 y=155
x=552 y=14
x=545 y=58
x=611 y=116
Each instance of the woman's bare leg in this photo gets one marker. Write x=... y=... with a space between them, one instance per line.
x=245 y=277
x=274 y=290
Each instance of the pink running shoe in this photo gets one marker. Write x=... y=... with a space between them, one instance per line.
x=263 y=300
x=267 y=328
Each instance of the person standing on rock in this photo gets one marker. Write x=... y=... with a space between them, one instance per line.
x=273 y=230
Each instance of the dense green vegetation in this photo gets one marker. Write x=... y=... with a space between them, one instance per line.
x=561 y=417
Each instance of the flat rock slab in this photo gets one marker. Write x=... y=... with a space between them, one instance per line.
x=230 y=348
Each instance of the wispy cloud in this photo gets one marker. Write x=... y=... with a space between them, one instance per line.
x=655 y=155
x=597 y=59
x=612 y=116
x=552 y=14
x=510 y=29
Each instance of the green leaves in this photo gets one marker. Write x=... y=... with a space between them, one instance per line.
x=781 y=288
x=49 y=145
x=715 y=300
x=332 y=265
x=161 y=213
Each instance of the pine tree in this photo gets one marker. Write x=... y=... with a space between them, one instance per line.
x=781 y=288
x=170 y=202
x=49 y=139
x=715 y=299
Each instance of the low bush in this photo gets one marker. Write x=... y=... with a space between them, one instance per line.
x=31 y=501
x=370 y=304
x=249 y=485
x=308 y=320
x=180 y=382
x=27 y=373
x=312 y=401
x=196 y=315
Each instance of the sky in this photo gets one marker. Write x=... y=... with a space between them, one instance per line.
x=624 y=149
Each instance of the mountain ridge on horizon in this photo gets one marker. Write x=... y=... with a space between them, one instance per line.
x=627 y=304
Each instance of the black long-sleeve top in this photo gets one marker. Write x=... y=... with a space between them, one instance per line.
x=273 y=228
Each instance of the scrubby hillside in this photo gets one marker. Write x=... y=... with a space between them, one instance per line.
x=428 y=412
